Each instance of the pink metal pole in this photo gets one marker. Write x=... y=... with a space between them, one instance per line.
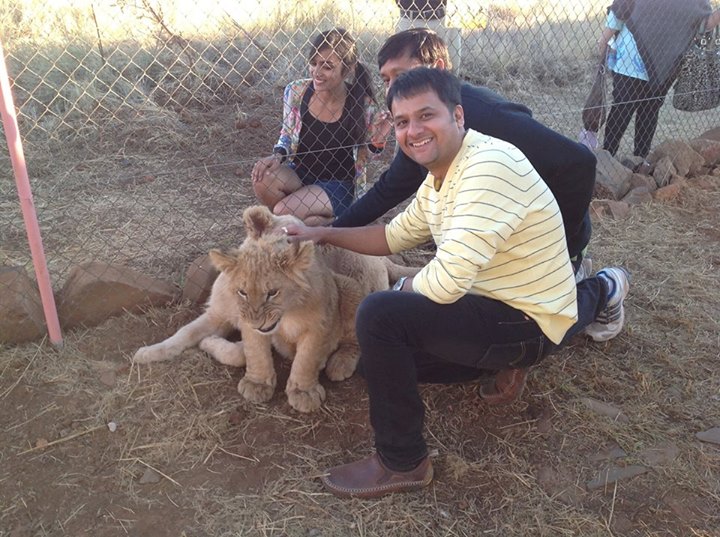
x=12 y=133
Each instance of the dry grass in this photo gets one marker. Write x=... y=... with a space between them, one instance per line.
x=164 y=184
x=220 y=466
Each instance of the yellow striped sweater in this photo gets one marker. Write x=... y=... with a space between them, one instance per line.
x=499 y=233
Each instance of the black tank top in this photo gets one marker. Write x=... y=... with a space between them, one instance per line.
x=325 y=150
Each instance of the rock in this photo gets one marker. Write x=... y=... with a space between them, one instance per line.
x=199 y=278
x=632 y=162
x=21 y=313
x=670 y=192
x=638 y=196
x=613 y=473
x=599 y=209
x=150 y=476
x=96 y=291
x=711 y=435
x=659 y=455
x=685 y=159
x=712 y=134
x=618 y=210
x=611 y=452
x=612 y=179
x=707 y=149
x=663 y=172
x=605 y=409
x=639 y=180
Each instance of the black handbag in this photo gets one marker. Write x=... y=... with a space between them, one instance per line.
x=698 y=83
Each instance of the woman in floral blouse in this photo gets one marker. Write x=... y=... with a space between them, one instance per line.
x=330 y=127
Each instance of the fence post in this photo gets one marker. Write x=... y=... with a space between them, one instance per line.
x=12 y=133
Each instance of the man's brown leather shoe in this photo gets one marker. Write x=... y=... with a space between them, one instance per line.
x=370 y=478
x=507 y=387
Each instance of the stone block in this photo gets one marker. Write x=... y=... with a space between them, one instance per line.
x=199 y=278
x=617 y=210
x=96 y=291
x=709 y=150
x=711 y=435
x=638 y=196
x=686 y=160
x=663 y=172
x=632 y=162
x=21 y=313
x=712 y=134
x=612 y=179
x=639 y=180
x=670 y=192
x=613 y=474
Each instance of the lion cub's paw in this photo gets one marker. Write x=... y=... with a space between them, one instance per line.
x=306 y=400
x=151 y=353
x=224 y=351
x=255 y=392
x=341 y=365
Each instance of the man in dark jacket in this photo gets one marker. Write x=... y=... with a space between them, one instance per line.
x=566 y=166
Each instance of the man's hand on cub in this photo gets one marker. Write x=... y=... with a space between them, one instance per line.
x=300 y=232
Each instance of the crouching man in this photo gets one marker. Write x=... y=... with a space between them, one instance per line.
x=499 y=293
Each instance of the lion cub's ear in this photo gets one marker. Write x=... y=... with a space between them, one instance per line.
x=258 y=219
x=222 y=261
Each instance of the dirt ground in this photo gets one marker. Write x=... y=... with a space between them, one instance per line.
x=91 y=445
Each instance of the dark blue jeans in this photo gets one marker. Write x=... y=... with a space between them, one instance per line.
x=633 y=96
x=406 y=338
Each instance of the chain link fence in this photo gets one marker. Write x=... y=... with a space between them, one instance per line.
x=142 y=120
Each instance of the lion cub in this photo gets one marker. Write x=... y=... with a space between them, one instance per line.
x=296 y=297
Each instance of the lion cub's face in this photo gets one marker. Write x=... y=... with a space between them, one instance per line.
x=265 y=277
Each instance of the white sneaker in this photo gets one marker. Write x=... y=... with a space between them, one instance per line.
x=609 y=322
x=584 y=271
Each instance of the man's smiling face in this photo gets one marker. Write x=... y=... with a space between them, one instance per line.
x=427 y=131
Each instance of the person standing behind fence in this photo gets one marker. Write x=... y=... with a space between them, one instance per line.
x=646 y=41
x=329 y=129
x=431 y=14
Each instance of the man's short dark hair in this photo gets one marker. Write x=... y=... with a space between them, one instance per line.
x=420 y=43
x=417 y=81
